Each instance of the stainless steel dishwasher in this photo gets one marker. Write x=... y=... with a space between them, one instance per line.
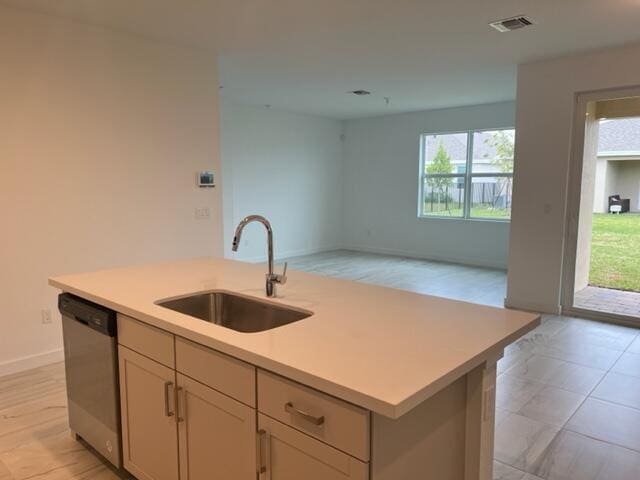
x=91 y=365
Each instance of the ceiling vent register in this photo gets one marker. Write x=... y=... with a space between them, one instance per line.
x=513 y=23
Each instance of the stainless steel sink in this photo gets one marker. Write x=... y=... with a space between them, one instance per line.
x=233 y=311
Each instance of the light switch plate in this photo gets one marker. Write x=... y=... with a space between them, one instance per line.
x=202 y=213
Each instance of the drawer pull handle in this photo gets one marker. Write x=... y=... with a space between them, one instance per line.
x=167 y=411
x=289 y=408
x=180 y=401
x=262 y=444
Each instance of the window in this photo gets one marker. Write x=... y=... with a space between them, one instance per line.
x=467 y=175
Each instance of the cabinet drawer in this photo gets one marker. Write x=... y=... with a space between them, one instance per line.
x=147 y=340
x=221 y=372
x=333 y=421
x=286 y=454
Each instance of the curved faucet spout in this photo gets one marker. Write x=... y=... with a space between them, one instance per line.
x=272 y=278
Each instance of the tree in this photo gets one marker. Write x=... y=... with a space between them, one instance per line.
x=503 y=143
x=441 y=164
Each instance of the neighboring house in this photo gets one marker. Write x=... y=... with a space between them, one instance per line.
x=456 y=147
x=618 y=164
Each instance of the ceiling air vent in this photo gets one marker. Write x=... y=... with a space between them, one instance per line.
x=510 y=24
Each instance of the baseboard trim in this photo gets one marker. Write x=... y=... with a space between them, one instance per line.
x=436 y=258
x=31 y=361
x=286 y=255
x=531 y=307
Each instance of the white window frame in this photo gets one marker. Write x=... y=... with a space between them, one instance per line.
x=468 y=177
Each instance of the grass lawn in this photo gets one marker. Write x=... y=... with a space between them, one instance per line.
x=481 y=211
x=615 y=251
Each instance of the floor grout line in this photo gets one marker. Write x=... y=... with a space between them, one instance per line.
x=562 y=429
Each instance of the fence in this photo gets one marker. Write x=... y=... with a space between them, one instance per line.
x=496 y=195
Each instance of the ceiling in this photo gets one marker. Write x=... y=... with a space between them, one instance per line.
x=304 y=55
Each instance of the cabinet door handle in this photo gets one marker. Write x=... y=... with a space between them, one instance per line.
x=180 y=403
x=289 y=408
x=263 y=453
x=167 y=410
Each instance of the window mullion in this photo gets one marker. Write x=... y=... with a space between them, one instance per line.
x=468 y=178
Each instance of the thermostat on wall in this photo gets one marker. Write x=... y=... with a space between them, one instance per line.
x=205 y=179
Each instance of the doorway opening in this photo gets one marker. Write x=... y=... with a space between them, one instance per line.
x=605 y=270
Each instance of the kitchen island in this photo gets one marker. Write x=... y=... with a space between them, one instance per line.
x=376 y=383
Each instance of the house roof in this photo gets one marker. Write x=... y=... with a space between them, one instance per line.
x=456 y=146
x=617 y=137
x=620 y=136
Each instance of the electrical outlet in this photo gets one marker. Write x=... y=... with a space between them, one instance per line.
x=46 y=316
x=202 y=213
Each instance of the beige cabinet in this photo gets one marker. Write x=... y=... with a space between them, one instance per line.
x=287 y=454
x=217 y=434
x=332 y=421
x=175 y=427
x=149 y=429
x=189 y=413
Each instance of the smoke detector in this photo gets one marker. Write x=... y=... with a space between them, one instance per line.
x=513 y=23
x=360 y=93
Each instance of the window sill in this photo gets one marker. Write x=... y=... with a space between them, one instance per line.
x=463 y=219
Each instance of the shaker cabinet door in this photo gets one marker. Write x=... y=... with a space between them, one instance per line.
x=217 y=434
x=149 y=429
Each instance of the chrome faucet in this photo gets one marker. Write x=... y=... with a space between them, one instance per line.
x=272 y=278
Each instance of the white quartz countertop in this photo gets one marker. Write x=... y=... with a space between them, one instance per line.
x=384 y=349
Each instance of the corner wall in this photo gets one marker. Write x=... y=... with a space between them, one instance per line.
x=287 y=167
x=545 y=109
x=101 y=134
x=381 y=178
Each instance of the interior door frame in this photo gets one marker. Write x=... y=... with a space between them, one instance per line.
x=572 y=215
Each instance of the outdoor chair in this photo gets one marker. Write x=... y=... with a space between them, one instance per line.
x=621 y=205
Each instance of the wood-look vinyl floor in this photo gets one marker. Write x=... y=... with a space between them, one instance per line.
x=35 y=442
x=459 y=282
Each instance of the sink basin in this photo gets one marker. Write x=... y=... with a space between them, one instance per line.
x=233 y=311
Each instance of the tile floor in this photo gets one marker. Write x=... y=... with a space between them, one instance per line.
x=568 y=394
x=568 y=403
x=34 y=437
x=557 y=418
x=608 y=300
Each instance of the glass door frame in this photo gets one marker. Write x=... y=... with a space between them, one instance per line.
x=572 y=214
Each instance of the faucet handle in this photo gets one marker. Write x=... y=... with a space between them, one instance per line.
x=283 y=278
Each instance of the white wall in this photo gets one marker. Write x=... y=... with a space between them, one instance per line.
x=100 y=138
x=628 y=182
x=545 y=108
x=287 y=167
x=602 y=181
x=381 y=188
x=587 y=197
x=617 y=177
